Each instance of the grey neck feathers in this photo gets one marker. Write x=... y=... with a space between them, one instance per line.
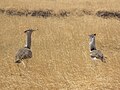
x=28 y=40
x=92 y=44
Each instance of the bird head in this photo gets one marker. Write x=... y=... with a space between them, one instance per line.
x=29 y=30
x=92 y=35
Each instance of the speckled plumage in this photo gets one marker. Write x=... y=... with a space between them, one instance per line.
x=23 y=53
x=96 y=54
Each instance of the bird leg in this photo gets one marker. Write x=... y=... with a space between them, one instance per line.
x=26 y=63
x=19 y=69
x=23 y=64
x=103 y=60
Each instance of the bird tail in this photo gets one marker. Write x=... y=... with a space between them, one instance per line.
x=103 y=59
x=18 y=61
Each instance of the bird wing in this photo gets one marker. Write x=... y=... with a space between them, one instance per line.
x=97 y=54
x=23 y=53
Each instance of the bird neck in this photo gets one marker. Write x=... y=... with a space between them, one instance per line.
x=28 y=40
x=92 y=44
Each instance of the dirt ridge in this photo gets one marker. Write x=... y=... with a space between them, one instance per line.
x=108 y=14
x=44 y=13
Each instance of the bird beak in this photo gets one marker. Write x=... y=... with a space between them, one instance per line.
x=33 y=30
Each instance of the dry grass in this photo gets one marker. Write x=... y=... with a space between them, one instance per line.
x=61 y=58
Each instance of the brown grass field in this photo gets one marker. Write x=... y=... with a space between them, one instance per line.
x=60 y=47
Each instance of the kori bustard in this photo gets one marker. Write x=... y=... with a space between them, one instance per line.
x=25 y=52
x=94 y=53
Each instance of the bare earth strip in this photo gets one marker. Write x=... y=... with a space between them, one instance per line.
x=61 y=59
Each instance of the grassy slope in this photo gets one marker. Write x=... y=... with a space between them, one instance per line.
x=60 y=49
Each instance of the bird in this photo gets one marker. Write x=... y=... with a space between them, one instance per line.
x=25 y=52
x=94 y=53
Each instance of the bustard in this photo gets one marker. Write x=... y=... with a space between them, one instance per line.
x=25 y=53
x=94 y=53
